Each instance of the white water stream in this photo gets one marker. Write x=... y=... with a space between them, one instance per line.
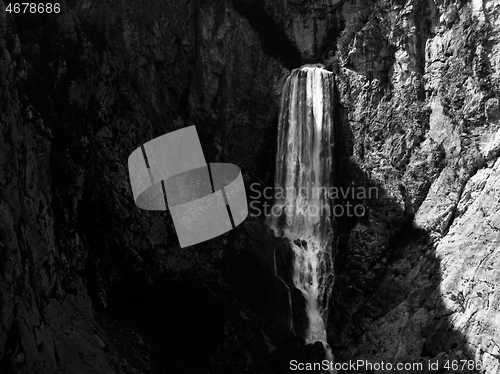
x=303 y=173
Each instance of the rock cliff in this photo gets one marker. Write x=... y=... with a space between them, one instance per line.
x=79 y=92
x=418 y=276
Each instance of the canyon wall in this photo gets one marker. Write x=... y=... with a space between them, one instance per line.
x=88 y=282
x=418 y=275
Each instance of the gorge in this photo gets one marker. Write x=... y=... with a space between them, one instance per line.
x=410 y=95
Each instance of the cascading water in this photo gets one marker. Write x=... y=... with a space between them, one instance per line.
x=304 y=175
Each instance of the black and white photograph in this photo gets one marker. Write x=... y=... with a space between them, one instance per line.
x=250 y=187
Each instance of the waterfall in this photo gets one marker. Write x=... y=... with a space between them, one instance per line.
x=304 y=175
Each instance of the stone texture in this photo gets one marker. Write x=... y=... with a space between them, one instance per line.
x=85 y=275
x=418 y=280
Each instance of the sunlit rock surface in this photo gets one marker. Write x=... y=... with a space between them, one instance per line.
x=424 y=130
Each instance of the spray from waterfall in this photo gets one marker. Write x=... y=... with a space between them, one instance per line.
x=304 y=169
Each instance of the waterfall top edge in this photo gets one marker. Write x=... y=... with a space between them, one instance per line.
x=312 y=67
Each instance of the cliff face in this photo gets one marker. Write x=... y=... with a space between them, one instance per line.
x=419 y=81
x=79 y=92
x=87 y=281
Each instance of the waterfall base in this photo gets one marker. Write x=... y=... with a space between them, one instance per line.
x=311 y=261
